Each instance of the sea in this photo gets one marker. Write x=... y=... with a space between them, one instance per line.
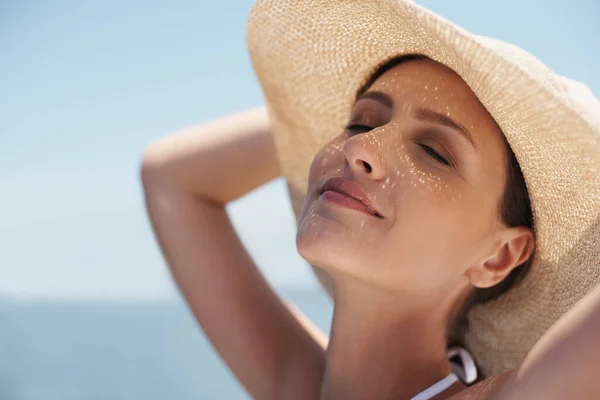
x=113 y=350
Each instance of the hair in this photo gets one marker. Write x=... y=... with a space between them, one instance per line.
x=514 y=210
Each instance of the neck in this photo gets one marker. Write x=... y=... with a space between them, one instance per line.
x=382 y=345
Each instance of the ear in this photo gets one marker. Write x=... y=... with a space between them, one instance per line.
x=513 y=249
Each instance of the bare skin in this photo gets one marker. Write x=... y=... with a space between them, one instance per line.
x=399 y=276
x=397 y=279
x=188 y=178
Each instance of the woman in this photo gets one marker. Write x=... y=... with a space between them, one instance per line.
x=442 y=202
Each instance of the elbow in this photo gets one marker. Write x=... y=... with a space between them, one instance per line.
x=153 y=164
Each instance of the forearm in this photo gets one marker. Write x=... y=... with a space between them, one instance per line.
x=188 y=177
x=221 y=160
x=565 y=362
x=224 y=290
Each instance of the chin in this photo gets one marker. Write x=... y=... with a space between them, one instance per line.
x=327 y=243
x=335 y=247
x=344 y=252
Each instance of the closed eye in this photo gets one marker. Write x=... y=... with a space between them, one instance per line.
x=434 y=154
x=355 y=129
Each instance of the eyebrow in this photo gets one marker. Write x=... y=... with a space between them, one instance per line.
x=425 y=114
x=428 y=115
x=377 y=96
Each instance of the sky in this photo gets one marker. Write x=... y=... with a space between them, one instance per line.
x=86 y=85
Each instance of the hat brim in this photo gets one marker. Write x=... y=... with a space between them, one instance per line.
x=311 y=57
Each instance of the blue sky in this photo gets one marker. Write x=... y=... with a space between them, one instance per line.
x=84 y=86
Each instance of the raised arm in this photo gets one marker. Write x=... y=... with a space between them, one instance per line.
x=564 y=363
x=188 y=178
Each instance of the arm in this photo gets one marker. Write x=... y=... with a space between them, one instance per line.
x=188 y=178
x=563 y=364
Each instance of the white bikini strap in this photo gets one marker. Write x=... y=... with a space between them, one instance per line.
x=436 y=388
x=468 y=374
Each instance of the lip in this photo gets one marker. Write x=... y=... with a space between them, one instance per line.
x=348 y=194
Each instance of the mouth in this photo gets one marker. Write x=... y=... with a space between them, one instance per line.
x=348 y=194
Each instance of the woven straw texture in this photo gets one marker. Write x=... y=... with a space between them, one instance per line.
x=312 y=56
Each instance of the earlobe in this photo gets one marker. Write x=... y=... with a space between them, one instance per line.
x=515 y=248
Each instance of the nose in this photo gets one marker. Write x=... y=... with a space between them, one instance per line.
x=363 y=155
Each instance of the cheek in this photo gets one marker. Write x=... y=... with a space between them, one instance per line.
x=414 y=174
x=328 y=161
x=436 y=235
x=319 y=235
x=433 y=234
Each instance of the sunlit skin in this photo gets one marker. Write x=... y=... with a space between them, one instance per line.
x=397 y=278
x=439 y=235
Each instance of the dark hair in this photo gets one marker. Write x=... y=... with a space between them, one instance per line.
x=515 y=210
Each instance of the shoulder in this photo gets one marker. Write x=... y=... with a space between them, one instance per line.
x=487 y=389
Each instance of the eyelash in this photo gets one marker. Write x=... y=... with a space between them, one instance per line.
x=437 y=156
x=357 y=128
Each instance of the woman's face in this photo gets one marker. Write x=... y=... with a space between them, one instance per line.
x=418 y=177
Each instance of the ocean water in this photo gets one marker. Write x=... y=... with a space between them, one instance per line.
x=63 y=350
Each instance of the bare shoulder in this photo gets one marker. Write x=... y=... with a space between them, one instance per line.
x=487 y=389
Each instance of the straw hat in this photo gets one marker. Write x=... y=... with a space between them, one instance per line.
x=312 y=56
